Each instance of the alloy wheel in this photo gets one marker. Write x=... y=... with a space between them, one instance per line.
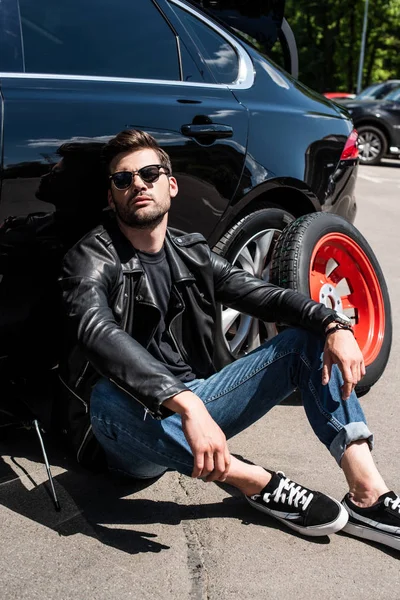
x=369 y=146
x=242 y=332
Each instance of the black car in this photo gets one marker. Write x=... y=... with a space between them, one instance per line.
x=251 y=147
x=378 y=126
x=377 y=91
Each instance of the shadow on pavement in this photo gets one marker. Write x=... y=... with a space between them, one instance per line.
x=386 y=550
x=88 y=501
x=97 y=504
x=395 y=164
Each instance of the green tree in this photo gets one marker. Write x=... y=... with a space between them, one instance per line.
x=328 y=36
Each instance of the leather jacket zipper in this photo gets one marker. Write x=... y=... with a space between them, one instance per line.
x=182 y=352
x=146 y=409
x=73 y=393
x=83 y=443
x=82 y=375
x=125 y=321
x=128 y=302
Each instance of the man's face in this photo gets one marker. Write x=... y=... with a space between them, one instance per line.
x=142 y=205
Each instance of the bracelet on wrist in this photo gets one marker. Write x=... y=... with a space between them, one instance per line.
x=338 y=327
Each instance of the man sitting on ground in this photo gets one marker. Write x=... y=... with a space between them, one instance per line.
x=141 y=303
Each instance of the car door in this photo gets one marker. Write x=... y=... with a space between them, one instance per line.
x=91 y=68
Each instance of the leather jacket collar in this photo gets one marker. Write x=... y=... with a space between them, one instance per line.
x=128 y=254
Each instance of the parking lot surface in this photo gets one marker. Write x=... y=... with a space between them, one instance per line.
x=184 y=539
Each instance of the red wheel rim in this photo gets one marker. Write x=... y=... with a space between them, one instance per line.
x=342 y=277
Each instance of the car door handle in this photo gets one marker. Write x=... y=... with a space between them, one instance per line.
x=207 y=129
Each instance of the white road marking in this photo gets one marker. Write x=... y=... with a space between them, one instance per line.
x=375 y=179
x=371 y=178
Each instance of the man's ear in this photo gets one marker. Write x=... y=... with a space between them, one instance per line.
x=173 y=187
x=110 y=200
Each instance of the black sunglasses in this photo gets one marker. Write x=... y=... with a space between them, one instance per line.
x=123 y=179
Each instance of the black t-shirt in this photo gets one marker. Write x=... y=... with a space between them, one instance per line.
x=162 y=347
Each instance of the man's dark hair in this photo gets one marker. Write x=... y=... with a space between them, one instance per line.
x=131 y=140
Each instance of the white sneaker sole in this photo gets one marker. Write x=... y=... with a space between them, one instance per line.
x=374 y=535
x=315 y=531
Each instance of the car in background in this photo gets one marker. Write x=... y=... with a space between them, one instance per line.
x=336 y=96
x=378 y=126
x=251 y=147
x=376 y=91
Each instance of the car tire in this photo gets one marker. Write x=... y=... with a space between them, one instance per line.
x=249 y=244
x=372 y=144
x=327 y=258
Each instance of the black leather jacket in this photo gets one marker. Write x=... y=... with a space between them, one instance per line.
x=112 y=313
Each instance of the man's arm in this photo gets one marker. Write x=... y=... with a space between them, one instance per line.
x=242 y=291
x=211 y=457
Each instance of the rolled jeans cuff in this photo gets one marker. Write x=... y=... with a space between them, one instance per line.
x=348 y=434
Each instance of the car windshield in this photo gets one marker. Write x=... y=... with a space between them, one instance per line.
x=394 y=95
x=371 y=92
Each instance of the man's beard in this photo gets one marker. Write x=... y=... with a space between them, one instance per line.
x=132 y=218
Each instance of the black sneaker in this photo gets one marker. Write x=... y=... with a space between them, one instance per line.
x=379 y=523
x=308 y=512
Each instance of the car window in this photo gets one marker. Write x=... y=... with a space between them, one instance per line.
x=98 y=37
x=392 y=87
x=394 y=95
x=373 y=91
x=382 y=92
x=191 y=72
x=370 y=91
x=217 y=53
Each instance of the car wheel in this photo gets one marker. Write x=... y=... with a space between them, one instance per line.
x=249 y=244
x=372 y=144
x=328 y=259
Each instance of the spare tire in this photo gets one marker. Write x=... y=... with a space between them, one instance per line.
x=325 y=257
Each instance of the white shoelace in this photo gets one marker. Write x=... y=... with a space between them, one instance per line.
x=394 y=502
x=297 y=494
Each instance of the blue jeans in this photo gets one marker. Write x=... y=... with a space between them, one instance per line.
x=236 y=397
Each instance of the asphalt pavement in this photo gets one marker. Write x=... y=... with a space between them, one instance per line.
x=186 y=540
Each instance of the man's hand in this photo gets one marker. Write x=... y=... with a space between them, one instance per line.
x=342 y=350
x=205 y=438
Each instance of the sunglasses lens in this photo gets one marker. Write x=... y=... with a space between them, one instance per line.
x=149 y=174
x=122 y=180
